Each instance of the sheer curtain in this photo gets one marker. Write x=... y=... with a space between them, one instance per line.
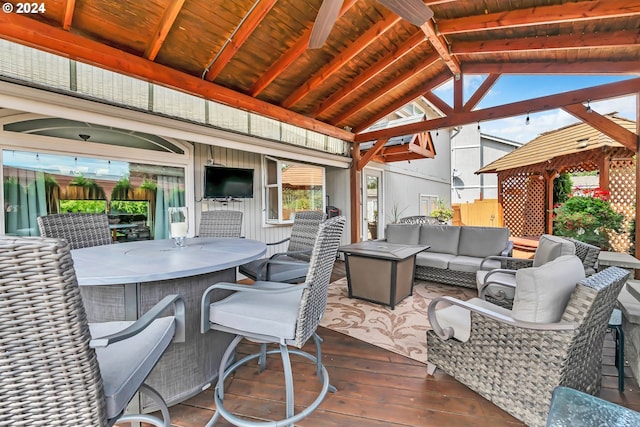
x=170 y=193
x=24 y=200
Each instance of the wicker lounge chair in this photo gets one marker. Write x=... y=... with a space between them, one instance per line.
x=55 y=367
x=81 y=230
x=279 y=313
x=220 y=224
x=516 y=364
x=290 y=266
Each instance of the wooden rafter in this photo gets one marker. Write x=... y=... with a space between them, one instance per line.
x=290 y=56
x=341 y=59
x=379 y=66
x=371 y=97
x=440 y=45
x=366 y=158
x=69 y=8
x=566 y=12
x=553 y=67
x=563 y=42
x=604 y=125
x=438 y=103
x=239 y=38
x=166 y=22
x=457 y=94
x=513 y=109
x=481 y=91
x=29 y=32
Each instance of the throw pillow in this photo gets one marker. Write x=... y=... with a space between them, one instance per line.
x=542 y=293
x=551 y=247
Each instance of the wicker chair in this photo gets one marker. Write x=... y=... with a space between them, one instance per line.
x=81 y=230
x=220 y=224
x=516 y=365
x=279 y=313
x=290 y=266
x=55 y=367
x=419 y=219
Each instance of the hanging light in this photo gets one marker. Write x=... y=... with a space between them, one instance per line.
x=478 y=125
x=588 y=106
x=527 y=120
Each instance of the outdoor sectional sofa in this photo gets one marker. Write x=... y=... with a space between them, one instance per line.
x=455 y=252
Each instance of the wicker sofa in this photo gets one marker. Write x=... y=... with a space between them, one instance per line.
x=455 y=253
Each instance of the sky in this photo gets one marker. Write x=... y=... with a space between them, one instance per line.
x=513 y=88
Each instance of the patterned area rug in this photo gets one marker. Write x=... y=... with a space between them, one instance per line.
x=402 y=330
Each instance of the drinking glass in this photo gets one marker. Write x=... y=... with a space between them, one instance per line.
x=178 y=225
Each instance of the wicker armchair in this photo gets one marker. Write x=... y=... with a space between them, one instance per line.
x=220 y=224
x=419 y=219
x=81 y=230
x=290 y=266
x=516 y=365
x=278 y=313
x=55 y=367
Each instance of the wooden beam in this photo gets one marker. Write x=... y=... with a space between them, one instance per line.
x=555 y=14
x=166 y=22
x=356 y=193
x=604 y=125
x=583 y=67
x=239 y=38
x=407 y=98
x=366 y=158
x=457 y=94
x=379 y=66
x=69 y=8
x=481 y=91
x=30 y=32
x=294 y=52
x=560 y=42
x=389 y=86
x=440 y=45
x=342 y=58
x=544 y=103
x=439 y=103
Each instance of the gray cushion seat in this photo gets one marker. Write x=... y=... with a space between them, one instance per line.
x=284 y=268
x=124 y=370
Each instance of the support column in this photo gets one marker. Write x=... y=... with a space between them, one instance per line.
x=356 y=192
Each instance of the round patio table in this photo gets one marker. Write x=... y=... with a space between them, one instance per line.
x=122 y=281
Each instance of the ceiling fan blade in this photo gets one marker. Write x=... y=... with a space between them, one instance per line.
x=327 y=16
x=414 y=11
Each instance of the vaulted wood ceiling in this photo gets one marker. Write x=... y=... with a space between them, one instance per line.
x=253 y=54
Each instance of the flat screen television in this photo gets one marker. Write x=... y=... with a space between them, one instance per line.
x=225 y=183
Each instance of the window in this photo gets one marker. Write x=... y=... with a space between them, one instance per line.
x=427 y=204
x=291 y=187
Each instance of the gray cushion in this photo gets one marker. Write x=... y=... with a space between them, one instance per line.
x=440 y=238
x=467 y=264
x=278 y=273
x=551 y=247
x=493 y=290
x=274 y=315
x=126 y=364
x=459 y=318
x=482 y=241
x=435 y=260
x=542 y=292
x=406 y=234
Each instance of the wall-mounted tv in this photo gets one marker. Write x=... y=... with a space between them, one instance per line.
x=224 y=183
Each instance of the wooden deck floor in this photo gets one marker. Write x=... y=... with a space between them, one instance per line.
x=375 y=388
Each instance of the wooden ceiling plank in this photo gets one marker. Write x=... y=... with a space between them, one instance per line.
x=26 y=31
x=69 y=8
x=342 y=58
x=373 y=151
x=294 y=52
x=239 y=38
x=166 y=22
x=544 y=103
x=604 y=125
x=566 y=12
x=377 y=94
x=401 y=102
x=583 y=67
x=561 y=42
x=441 y=46
x=482 y=90
x=398 y=53
x=439 y=103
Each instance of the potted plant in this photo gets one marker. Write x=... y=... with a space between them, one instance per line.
x=442 y=212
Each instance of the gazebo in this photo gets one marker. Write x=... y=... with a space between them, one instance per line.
x=526 y=175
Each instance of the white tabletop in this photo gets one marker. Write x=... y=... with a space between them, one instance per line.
x=152 y=260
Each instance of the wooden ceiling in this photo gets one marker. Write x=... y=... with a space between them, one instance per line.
x=253 y=54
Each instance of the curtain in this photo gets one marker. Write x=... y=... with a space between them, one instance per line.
x=170 y=193
x=24 y=200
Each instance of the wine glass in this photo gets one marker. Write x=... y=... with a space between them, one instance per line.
x=178 y=225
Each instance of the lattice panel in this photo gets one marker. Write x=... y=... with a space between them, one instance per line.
x=523 y=203
x=622 y=185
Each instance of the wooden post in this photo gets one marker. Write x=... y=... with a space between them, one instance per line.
x=549 y=177
x=356 y=192
x=637 y=236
